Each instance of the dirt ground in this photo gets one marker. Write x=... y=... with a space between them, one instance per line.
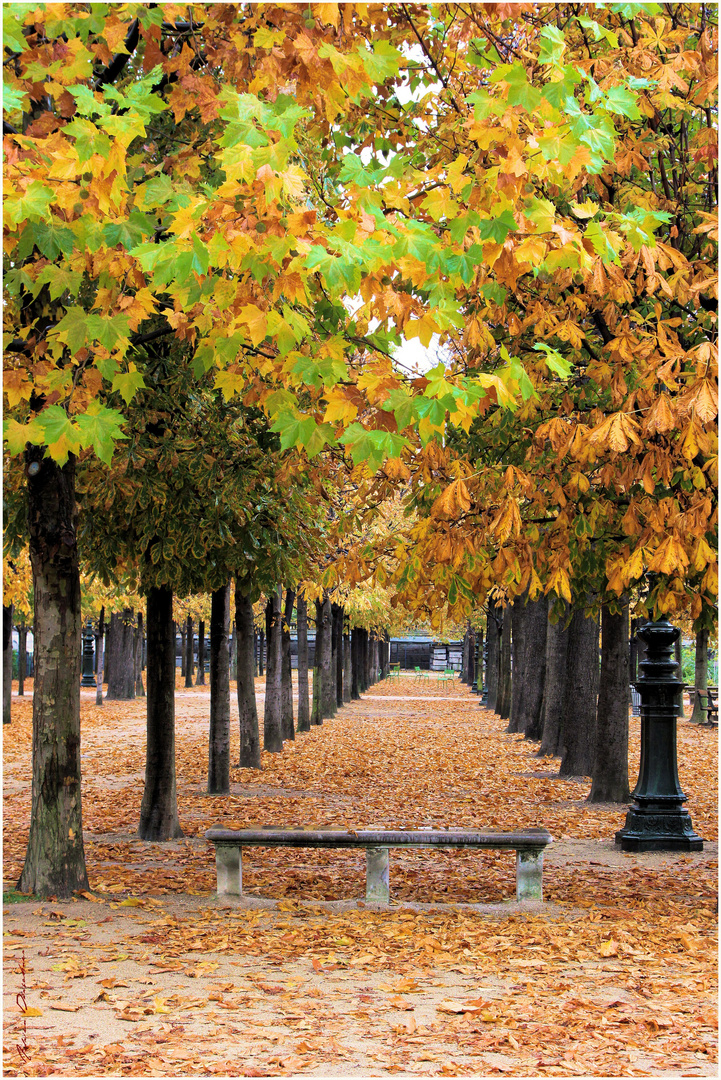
x=150 y=974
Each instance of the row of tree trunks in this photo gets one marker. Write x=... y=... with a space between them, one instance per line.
x=245 y=667
x=302 y=624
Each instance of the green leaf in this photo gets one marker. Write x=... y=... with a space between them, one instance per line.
x=60 y=434
x=129 y=232
x=554 y=360
x=34 y=204
x=497 y=229
x=100 y=428
x=201 y=257
x=553 y=45
x=16 y=435
x=52 y=238
x=622 y=101
x=89 y=139
x=127 y=383
x=12 y=97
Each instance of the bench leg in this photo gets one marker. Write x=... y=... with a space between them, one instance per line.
x=529 y=874
x=229 y=870
x=377 y=864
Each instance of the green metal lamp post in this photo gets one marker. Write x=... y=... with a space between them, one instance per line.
x=657 y=819
x=88 y=678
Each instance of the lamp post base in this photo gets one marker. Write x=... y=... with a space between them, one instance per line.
x=658 y=831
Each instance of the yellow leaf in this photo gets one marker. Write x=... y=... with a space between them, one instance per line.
x=31 y=1012
x=608 y=948
x=256 y=321
x=327 y=14
x=423 y=328
x=669 y=556
x=587 y=209
x=132 y=901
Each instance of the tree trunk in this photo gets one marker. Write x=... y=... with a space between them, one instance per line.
x=347 y=668
x=261 y=655
x=247 y=710
x=200 y=678
x=22 y=657
x=700 y=680
x=471 y=657
x=302 y=623
x=464 y=656
x=272 y=724
x=579 y=708
x=503 y=702
x=55 y=858
x=138 y=665
x=315 y=714
x=355 y=664
x=519 y=617
x=121 y=676
x=255 y=653
x=189 y=653
x=159 y=808
x=7 y=661
x=534 y=668
x=327 y=699
x=233 y=655
x=556 y=658
x=100 y=656
x=287 y=669
x=337 y=611
x=219 y=733
x=610 y=762
x=493 y=657
x=679 y=674
x=183 y=651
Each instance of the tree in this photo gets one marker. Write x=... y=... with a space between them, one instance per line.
x=610 y=762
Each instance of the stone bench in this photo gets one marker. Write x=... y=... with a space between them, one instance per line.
x=527 y=843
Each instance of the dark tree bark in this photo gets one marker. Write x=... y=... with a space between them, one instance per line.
x=338 y=639
x=633 y=672
x=272 y=722
x=355 y=664
x=610 y=762
x=138 y=657
x=55 y=858
x=700 y=681
x=121 y=676
x=200 y=677
x=100 y=657
x=679 y=674
x=464 y=656
x=233 y=655
x=327 y=697
x=255 y=653
x=316 y=714
x=347 y=668
x=183 y=651
x=471 y=657
x=247 y=710
x=519 y=616
x=579 y=708
x=22 y=657
x=493 y=655
x=7 y=661
x=503 y=703
x=302 y=623
x=219 y=733
x=535 y=668
x=261 y=655
x=159 y=808
x=287 y=669
x=189 y=652
x=555 y=695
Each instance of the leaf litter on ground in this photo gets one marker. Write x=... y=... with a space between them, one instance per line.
x=613 y=975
